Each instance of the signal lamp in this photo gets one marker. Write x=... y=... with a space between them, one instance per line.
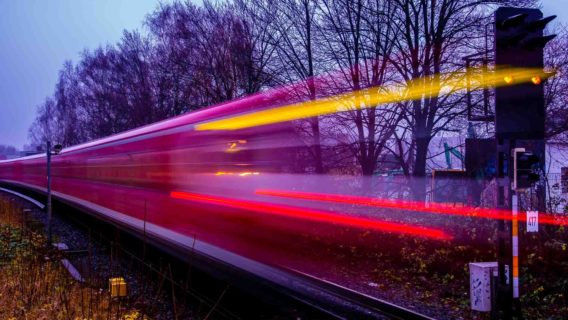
x=520 y=43
x=526 y=169
x=57 y=148
x=536 y=80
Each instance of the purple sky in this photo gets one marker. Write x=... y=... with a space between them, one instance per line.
x=37 y=36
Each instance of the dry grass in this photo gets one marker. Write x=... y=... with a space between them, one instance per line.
x=34 y=285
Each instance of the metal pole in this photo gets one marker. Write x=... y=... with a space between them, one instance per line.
x=504 y=170
x=515 y=241
x=49 y=238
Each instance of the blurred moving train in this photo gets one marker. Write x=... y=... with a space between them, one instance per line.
x=248 y=190
x=209 y=190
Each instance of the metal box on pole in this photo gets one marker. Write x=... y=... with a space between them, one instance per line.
x=480 y=275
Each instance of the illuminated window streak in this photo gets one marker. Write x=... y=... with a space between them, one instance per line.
x=240 y=174
x=314 y=215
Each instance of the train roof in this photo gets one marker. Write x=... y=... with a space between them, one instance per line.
x=257 y=101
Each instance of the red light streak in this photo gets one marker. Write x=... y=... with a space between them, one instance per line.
x=466 y=211
x=314 y=215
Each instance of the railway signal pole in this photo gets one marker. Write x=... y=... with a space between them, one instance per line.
x=519 y=125
x=49 y=239
x=56 y=149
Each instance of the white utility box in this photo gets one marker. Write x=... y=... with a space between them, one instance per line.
x=480 y=274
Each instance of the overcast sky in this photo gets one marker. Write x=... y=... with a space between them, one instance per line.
x=37 y=36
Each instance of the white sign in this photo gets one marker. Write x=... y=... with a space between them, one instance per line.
x=532 y=221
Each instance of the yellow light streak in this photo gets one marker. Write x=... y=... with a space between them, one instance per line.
x=371 y=97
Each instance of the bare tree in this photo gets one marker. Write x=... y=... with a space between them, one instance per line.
x=556 y=88
x=294 y=42
x=211 y=49
x=68 y=108
x=44 y=125
x=430 y=34
x=174 y=47
x=359 y=41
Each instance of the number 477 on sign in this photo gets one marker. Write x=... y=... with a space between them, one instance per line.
x=532 y=221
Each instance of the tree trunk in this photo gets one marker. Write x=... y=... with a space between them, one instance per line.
x=317 y=145
x=419 y=182
x=421 y=155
